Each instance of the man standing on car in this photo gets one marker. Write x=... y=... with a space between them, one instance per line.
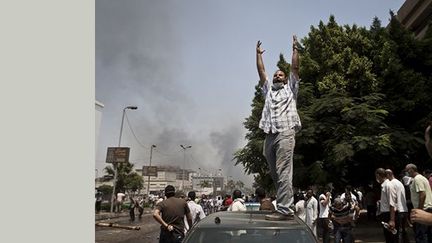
x=280 y=122
x=173 y=210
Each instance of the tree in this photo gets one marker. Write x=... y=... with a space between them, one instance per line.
x=105 y=189
x=364 y=100
x=230 y=185
x=239 y=184
x=127 y=179
x=205 y=184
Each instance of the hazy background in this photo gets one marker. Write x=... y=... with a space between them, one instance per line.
x=190 y=68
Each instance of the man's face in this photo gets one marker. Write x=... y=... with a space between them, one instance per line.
x=379 y=179
x=338 y=205
x=309 y=194
x=410 y=171
x=279 y=77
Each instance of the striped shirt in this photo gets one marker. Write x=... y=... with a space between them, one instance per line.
x=341 y=216
x=280 y=108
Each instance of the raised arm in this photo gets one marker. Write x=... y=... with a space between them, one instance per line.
x=260 y=64
x=295 y=59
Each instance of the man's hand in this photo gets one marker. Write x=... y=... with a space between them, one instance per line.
x=391 y=224
x=259 y=50
x=170 y=228
x=420 y=216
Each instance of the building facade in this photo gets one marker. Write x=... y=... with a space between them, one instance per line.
x=416 y=15
x=167 y=175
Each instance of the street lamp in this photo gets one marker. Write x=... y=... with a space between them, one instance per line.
x=148 y=179
x=115 y=164
x=184 y=147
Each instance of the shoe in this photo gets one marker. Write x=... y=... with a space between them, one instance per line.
x=277 y=216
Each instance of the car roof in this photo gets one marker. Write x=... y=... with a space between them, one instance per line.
x=247 y=220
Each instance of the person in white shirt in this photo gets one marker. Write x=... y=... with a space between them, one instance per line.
x=323 y=218
x=421 y=197
x=196 y=210
x=311 y=208
x=238 y=202
x=119 y=201
x=401 y=207
x=387 y=204
x=300 y=207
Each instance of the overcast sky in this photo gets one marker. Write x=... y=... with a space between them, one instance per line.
x=190 y=68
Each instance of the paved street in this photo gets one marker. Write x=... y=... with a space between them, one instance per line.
x=148 y=232
x=365 y=231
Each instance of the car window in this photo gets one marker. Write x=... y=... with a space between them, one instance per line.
x=251 y=236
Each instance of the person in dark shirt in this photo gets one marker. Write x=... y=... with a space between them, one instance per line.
x=341 y=217
x=173 y=210
x=265 y=202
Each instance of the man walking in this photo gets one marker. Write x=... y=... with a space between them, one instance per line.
x=401 y=207
x=421 y=197
x=173 y=210
x=98 y=201
x=340 y=215
x=387 y=204
x=280 y=122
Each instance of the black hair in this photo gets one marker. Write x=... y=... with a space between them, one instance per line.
x=260 y=192
x=169 y=191
x=192 y=195
x=237 y=194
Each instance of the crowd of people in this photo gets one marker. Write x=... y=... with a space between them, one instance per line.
x=325 y=212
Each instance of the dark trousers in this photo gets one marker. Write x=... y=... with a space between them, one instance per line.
x=98 y=206
x=401 y=225
x=323 y=227
x=343 y=233
x=389 y=237
x=141 y=211
x=170 y=237
x=422 y=233
x=132 y=213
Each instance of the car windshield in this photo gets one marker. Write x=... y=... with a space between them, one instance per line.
x=251 y=236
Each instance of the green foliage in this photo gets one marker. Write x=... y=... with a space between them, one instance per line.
x=205 y=184
x=364 y=100
x=105 y=189
x=127 y=179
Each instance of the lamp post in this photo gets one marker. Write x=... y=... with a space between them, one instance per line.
x=184 y=147
x=115 y=164
x=148 y=179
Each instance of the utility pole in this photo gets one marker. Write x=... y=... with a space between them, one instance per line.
x=115 y=164
x=184 y=147
x=148 y=178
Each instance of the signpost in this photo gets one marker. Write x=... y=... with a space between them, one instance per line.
x=117 y=155
x=149 y=171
